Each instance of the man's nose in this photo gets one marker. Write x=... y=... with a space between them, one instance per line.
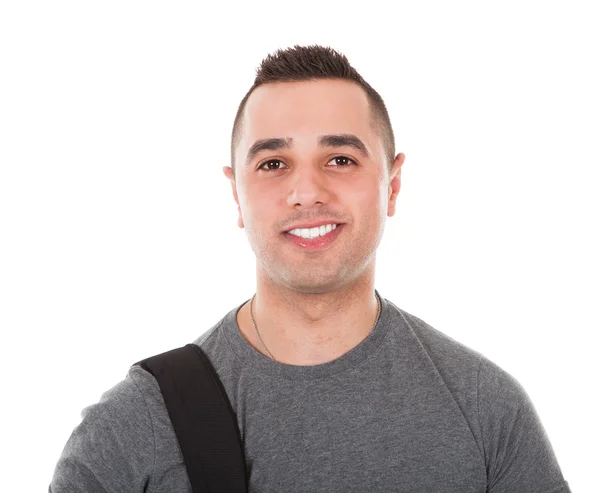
x=309 y=185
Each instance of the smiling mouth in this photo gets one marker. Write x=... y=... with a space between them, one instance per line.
x=318 y=242
x=312 y=233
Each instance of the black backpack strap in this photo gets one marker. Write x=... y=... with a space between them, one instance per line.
x=203 y=419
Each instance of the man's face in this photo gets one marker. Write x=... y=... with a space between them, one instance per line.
x=306 y=177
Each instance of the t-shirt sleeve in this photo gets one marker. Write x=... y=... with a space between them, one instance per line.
x=518 y=453
x=112 y=449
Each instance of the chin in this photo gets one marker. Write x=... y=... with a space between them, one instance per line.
x=313 y=285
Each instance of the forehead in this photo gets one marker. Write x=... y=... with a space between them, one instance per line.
x=304 y=110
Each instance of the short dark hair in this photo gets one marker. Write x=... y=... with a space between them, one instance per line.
x=302 y=63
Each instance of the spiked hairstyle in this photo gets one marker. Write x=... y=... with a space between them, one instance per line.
x=303 y=63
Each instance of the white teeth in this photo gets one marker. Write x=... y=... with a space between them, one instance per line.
x=313 y=232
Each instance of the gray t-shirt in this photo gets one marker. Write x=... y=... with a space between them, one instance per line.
x=409 y=409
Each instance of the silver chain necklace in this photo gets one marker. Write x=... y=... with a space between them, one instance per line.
x=269 y=352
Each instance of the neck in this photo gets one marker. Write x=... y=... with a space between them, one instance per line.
x=309 y=328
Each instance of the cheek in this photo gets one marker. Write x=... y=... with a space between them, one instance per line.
x=250 y=202
x=259 y=211
x=368 y=200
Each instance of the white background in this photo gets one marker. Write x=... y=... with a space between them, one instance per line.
x=118 y=228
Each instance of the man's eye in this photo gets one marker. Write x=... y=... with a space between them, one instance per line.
x=275 y=164
x=343 y=161
x=269 y=162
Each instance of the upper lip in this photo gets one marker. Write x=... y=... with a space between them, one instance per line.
x=312 y=224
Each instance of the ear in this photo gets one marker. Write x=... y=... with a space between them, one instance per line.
x=228 y=172
x=394 y=187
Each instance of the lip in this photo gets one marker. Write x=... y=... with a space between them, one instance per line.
x=318 y=243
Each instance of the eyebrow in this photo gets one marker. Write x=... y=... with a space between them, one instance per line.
x=344 y=140
x=337 y=140
x=272 y=144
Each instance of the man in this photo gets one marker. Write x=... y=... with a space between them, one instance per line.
x=334 y=387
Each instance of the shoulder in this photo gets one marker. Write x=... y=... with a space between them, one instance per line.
x=128 y=401
x=216 y=346
x=114 y=444
x=501 y=399
x=517 y=450
x=455 y=359
x=133 y=410
x=457 y=363
x=125 y=442
x=466 y=370
x=449 y=362
x=136 y=395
